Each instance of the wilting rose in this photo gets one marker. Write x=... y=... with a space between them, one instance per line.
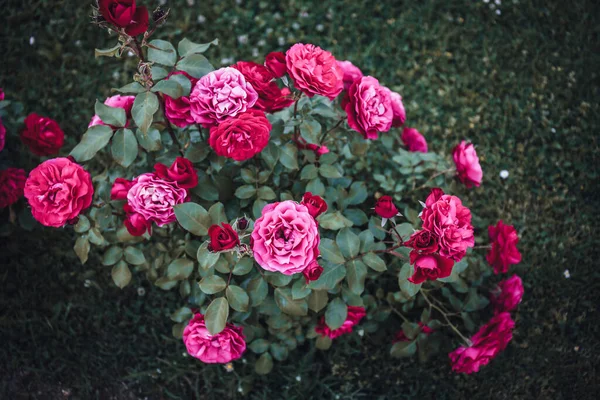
x=225 y=346
x=314 y=71
x=467 y=164
x=355 y=314
x=312 y=272
x=221 y=94
x=401 y=336
x=58 y=190
x=275 y=62
x=369 y=107
x=508 y=294
x=125 y=14
x=429 y=267
x=181 y=171
x=491 y=339
x=385 y=207
x=351 y=73
x=413 y=140
x=504 y=250
x=120 y=188
x=12 y=182
x=398 y=109
x=42 y=135
x=2 y=135
x=222 y=237
x=270 y=97
x=424 y=242
x=135 y=223
x=118 y=101
x=445 y=216
x=285 y=238
x=178 y=111
x=153 y=198
x=315 y=204
x=241 y=137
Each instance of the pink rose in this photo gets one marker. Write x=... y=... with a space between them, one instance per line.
x=504 y=250
x=153 y=198
x=467 y=164
x=58 y=190
x=491 y=339
x=369 y=107
x=226 y=346
x=355 y=314
x=120 y=189
x=445 y=216
x=285 y=238
x=221 y=94
x=178 y=111
x=118 y=101
x=314 y=70
x=351 y=73
x=413 y=140
x=2 y=135
x=508 y=294
x=270 y=97
x=398 y=109
x=12 y=182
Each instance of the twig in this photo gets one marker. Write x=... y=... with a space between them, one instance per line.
x=432 y=177
x=450 y=324
x=330 y=130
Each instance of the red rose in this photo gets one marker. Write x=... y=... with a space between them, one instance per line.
x=136 y=224
x=467 y=164
x=355 y=314
x=508 y=294
x=125 y=14
x=401 y=336
x=120 y=188
x=314 y=71
x=58 y=190
x=413 y=140
x=241 y=137
x=42 y=135
x=2 y=135
x=423 y=241
x=504 y=250
x=222 y=237
x=429 y=267
x=12 y=182
x=270 y=97
x=181 y=171
x=487 y=343
x=385 y=207
x=312 y=272
x=275 y=62
x=315 y=204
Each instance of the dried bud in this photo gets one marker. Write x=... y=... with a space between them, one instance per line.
x=242 y=224
x=160 y=15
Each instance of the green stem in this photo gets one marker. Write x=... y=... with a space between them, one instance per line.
x=450 y=324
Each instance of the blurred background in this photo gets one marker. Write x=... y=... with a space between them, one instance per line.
x=519 y=78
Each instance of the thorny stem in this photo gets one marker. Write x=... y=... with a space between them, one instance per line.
x=489 y=246
x=140 y=52
x=330 y=130
x=450 y=324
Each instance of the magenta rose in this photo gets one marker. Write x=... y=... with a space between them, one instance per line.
x=135 y=223
x=355 y=314
x=504 y=250
x=12 y=182
x=508 y=294
x=241 y=137
x=397 y=109
x=314 y=70
x=487 y=343
x=285 y=238
x=351 y=73
x=225 y=346
x=429 y=267
x=312 y=272
x=467 y=164
x=153 y=198
x=221 y=94
x=178 y=111
x=2 y=135
x=118 y=101
x=270 y=97
x=42 y=135
x=58 y=190
x=413 y=140
x=369 y=107
x=120 y=188
x=275 y=62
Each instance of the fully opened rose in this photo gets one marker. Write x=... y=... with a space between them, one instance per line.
x=241 y=137
x=314 y=70
x=12 y=183
x=226 y=346
x=508 y=294
x=504 y=250
x=285 y=238
x=413 y=140
x=368 y=106
x=42 y=135
x=270 y=97
x=467 y=164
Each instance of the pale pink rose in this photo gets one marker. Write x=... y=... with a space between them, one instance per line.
x=225 y=346
x=369 y=107
x=398 y=109
x=413 y=140
x=285 y=238
x=314 y=70
x=221 y=94
x=351 y=73
x=508 y=294
x=467 y=164
x=153 y=198
x=118 y=101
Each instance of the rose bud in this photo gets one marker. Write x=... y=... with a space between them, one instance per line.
x=423 y=241
x=120 y=188
x=160 y=15
x=385 y=207
x=222 y=238
x=242 y=223
x=315 y=204
x=312 y=272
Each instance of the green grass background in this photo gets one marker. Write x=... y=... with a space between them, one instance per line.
x=522 y=85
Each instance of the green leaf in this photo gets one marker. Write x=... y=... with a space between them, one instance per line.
x=206 y=258
x=330 y=277
x=279 y=351
x=121 y=275
x=184 y=81
x=309 y=171
x=334 y=221
x=336 y=313
x=330 y=251
x=358 y=193
x=237 y=297
x=133 y=88
x=316 y=187
x=112 y=255
x=197 y=152
x=374 y=262
x=411 y=330
x=181 y=314
x=403 y=349
x=134 y=256
x=317 y=300
x=348 y=242
x=187 y=47
x=193 y=218
x=289 y=156
x=405 y=230
x=151 y=141
x=94 y=140
x=196 y=65
x=475 y=301
x=367 y=241
x=310 y=130
x=408 y=288
x=124 y=147
x=277 y=279
x=266 y=193
x=270 y=155
x=299 y=289
x=259 y=346
x=170 y=87
x=164 y=283
x=180 y=269
x=82 y=248
x=144 y=107
x=264 y=364
x=329 y=171
x=285 y=302
x=257 y=290
x=243 y=266
x=217 y=214
x=323 y=342
x=245 y=192
x=159 y=73
x=212 y=284
x=216 y=315
x=114 y=116
x=356 y=272
x=82 y=225
x=164 y=53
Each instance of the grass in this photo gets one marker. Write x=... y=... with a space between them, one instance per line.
x=522 y=85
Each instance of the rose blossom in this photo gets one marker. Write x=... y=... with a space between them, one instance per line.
x=413 y=140
x=487 y=343
x=446 y=217
x=504 y=250
x=2 y=135
x=125 y=14
x=221 y=94
x=369 y=107
x=385 y=207
x=429 y=267
x=225 y=346
x=153 y=198
x=135 y=223
x=12 y=182
x=181 y=171
x=351 y=73
x=275 y=62
x=1 y=94
x=178 y=111
x=355 y=314
x=397 y=109
x=118 y=101
x=508 y=294
x=401 y=336
x=315 y=204
x=222 y=237
x=120 y=188
x=42 y=135
x=424 y=242
x=241 y=137
x=314 y=70
x=58 y=190
x=467 y=164
x=285 y=238
x=270 y=97
x=312 y=272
